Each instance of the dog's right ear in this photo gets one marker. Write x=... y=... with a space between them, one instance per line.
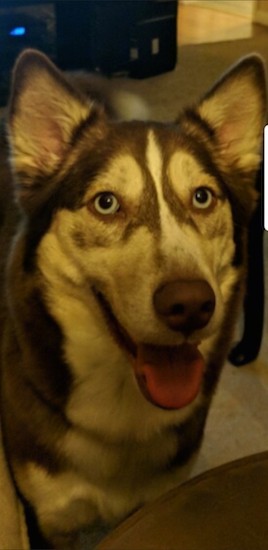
x=44 y=113
x=235 y=110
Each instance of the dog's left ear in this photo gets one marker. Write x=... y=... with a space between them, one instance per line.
x=235 y=110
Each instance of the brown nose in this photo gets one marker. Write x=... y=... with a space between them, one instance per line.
x=185 y=306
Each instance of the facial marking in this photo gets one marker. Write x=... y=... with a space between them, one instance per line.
x=171 y=205
x=125 y=177
x=186 y=173
x=122 y=176
x=186 y=176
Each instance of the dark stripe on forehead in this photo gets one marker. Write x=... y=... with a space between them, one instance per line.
x=148 y=214
x=175 y=205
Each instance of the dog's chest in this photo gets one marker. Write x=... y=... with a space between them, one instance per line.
x=106 y=460
x=125 y=474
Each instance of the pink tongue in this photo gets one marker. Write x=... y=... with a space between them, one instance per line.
x=170 y=377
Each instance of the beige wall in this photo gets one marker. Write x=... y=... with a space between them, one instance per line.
x=261 y=12
x=237 y=7
x=262 y=5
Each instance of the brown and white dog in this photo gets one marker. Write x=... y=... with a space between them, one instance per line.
x=124 y=255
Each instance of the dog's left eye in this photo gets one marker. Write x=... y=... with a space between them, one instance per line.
x=202 y=198
x=106 y=203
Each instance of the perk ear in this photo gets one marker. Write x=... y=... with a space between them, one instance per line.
x=44 y=112
x=235 y=109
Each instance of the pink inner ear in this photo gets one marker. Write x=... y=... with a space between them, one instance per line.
x=235 y=124
x=230 y=132
x=49 y=144
x=238 y=118
x=52 y=139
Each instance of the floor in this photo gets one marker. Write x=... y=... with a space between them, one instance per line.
x=200 y=25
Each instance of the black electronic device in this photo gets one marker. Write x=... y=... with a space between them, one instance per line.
x=131 y=37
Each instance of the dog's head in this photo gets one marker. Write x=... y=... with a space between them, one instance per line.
x=142 y=223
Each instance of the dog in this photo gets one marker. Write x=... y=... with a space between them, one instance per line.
x=123 y=249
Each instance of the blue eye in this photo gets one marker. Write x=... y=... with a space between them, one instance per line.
x=106 y=203
x=202 y=198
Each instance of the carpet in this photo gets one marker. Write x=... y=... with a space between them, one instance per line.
x=197 y=68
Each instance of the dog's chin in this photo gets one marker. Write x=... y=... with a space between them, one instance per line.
x=169 y=377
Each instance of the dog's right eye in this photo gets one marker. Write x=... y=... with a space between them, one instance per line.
x=203 y=198
x=106 y=204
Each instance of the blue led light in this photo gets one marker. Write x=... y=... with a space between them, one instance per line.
x=17 y=31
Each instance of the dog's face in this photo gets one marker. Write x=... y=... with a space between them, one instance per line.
x=143 y=223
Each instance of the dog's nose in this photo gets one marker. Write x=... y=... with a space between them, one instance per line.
x=185 y=306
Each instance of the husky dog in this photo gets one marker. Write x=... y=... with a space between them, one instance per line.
x=124 y=253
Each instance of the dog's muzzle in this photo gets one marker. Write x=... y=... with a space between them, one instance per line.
x=170 y=377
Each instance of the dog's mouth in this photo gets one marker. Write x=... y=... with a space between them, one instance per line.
x=170 y=377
